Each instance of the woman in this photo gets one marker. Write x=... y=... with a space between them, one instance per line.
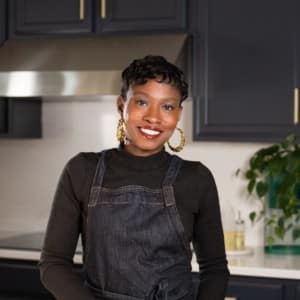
x=137 y=207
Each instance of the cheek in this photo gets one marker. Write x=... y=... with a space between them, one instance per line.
x=171 y=122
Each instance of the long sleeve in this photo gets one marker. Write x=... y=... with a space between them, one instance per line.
x=64 y=226
x=208 y=242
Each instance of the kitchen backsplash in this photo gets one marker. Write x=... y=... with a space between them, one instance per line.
x=30 y=168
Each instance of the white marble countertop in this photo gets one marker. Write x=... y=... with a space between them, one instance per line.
x=256 y=264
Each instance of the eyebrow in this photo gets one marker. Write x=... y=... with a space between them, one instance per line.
x=147 y=95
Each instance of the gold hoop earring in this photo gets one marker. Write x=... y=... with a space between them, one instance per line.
x=120 y=131
x=182 y=142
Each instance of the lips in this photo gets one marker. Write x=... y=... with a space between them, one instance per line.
x=149 y=133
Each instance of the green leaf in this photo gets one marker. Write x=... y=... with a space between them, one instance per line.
x=268 y=151
x=270 y=241
x=251 y=185
x=279 y=232
x=296 y=234
x=289 y=227
x=281 y=222
x=261 y=189
x=290 y=139
x=252 y=216
x=250 y=174
x=276 y=166
x=270 y=222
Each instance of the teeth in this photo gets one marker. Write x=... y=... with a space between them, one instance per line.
x=149 y=131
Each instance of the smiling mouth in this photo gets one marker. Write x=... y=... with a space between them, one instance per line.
x=149 y=133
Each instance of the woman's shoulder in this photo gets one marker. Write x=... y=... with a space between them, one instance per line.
x=195 y=166
x=85 y=160
x=196 y=171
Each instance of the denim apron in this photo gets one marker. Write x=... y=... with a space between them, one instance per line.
x=136 y=247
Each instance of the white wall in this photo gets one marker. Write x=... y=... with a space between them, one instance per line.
x=29 y=168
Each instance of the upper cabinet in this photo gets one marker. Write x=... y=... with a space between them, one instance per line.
x=245 y=70
x=35 y=18
x=48 y=17
x=20 y=117
x=3 y=16
x=140 y=15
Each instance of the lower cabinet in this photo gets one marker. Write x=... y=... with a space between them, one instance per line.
x=20 y=280
x=259 y=288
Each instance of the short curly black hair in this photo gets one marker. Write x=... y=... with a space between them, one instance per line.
x=153 y=67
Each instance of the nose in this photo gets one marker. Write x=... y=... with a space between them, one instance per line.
x=152 y=115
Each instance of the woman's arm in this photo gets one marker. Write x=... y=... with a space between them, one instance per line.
x=64 y=225
x=208 y=242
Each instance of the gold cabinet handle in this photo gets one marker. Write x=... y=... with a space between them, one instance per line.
x=103 y=9
x=231 y=298
x=296 y=106
x=81 y=9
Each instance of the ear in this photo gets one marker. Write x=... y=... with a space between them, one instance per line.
x=180 y=113
x=120 y=105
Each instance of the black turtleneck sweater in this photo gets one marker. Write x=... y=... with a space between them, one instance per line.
x=196 y=199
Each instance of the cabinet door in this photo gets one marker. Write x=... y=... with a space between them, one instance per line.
x=297 y=296
x=140 y=15
x=49 y=17
x=258 y=289
x=244 y=70
x=21 y=280
x=20 y=118
x=3 y=16
x=3 y=116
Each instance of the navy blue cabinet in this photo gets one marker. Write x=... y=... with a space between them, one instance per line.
x=35 y=18
x=260 y=288
x=140 y=15
x=297 y=297
x=44 y=18
x=21 y=280
x=245 y=70
x=244 y=288
x=3 y=16
x=20 y=118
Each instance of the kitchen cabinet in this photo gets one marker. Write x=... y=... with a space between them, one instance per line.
x=140 y=15
x=34 y=18
x=21 y=280
x=260 y=288
x=48 y=17
x=3 y=16
x=298 y=292
x=20 y=118
x=245 y=70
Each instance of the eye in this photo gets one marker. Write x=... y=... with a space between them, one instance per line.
x=141 y=102
x=168 y=107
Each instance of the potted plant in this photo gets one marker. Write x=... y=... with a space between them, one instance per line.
x=273 y=175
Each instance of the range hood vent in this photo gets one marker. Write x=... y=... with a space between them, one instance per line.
x=77 y=67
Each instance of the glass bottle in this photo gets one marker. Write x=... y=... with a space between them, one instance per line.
x=240 y=233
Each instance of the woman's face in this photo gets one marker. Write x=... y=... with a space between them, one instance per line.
x=151 y=113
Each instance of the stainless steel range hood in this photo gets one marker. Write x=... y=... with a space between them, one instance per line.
x=71 y=67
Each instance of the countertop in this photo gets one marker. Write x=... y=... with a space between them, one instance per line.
x=258 y=264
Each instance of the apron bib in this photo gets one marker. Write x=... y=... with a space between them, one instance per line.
x=136 y=247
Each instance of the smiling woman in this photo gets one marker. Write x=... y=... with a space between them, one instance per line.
x=130 y=206
x=150 y=112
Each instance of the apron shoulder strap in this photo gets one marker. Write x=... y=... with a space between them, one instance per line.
x=100 y=169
